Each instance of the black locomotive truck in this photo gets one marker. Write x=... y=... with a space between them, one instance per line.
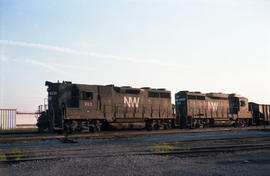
x=89 y=108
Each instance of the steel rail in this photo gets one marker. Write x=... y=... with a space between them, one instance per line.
x=119 y=134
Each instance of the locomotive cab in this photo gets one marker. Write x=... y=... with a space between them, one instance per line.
x=58 y=102
x=239 y=107
x=189 y=105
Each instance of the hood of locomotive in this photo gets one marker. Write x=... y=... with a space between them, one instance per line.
x=53 y=94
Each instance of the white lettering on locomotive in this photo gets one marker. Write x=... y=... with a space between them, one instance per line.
x=212 y=105
x=180 y=100
x=88 y=104
x=53 y=93
x=131 y=102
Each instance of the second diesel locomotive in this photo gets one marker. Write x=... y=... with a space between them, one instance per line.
x=194 y=109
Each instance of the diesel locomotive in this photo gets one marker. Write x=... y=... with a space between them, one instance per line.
x=79 y=107
x=89 y=108
x=260 y=113
x=195 y=109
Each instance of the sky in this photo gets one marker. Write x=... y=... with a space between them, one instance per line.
x=195 y=45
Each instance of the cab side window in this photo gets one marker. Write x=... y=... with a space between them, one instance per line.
x=86 y=95
x=242 y=103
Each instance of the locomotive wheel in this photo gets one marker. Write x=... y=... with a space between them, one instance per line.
x=156 y=126
x=247 y=122
x=148 y=125
x=169 y=125
x=79 y=127
x=172 y=124
x=91 y=129
x=206 y=125
x=193 y=123
x=236 y=124
x=165 y=126
x=97 y=128
x=197 y=125
x=98 y=125
x=41 y=129
x=149 y=128
x=67 y=128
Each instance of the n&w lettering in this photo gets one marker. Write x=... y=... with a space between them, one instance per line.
x=128 y=101
x=213 y=106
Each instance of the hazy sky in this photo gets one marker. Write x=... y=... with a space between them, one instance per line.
x=196 y=45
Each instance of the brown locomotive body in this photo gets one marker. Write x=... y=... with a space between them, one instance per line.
x=78 y=107
x=194 y=109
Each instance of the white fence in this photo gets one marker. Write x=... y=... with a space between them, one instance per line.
x=11 y=119
x=26 y=120
x=7 y=119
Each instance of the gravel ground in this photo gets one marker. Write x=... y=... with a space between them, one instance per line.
x=152 y=139
x=242 y=163
x=112 y=157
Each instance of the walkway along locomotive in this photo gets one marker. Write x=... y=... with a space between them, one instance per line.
x=79 y=107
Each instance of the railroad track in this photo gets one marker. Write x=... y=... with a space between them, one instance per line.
x=216 y=149
x=6 y=134
x=190 y=148
x=115 y=134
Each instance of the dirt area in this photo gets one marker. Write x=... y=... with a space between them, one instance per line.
x=126 y=156
x=243 y=163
